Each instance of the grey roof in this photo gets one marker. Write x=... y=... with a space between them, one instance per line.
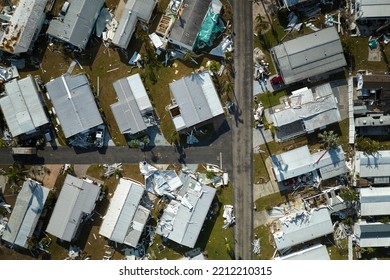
x=77 y=197
x=27 y=19
x=376 y=81
x=372 y=234
x=375 y=201
x=315 y=109
x=134 y=10
x=187 y=25
x=301 y=227
x=183 y=220
x=309 y=55
x=74 y=103
x=125 y=218
x=372 y=120
x=133 y=103
x=373 y=9
x=27 y=210
x=317 y=252
x=197 y=100
x=370 y=166
x=76 y=26
x=299 y=161
x=22 y=106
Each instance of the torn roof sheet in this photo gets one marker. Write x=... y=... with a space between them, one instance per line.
x=182 y=221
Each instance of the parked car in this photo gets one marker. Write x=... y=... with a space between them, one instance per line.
x=99 y=140
x=276 y=80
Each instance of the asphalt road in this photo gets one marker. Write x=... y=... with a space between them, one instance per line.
x=242 y=152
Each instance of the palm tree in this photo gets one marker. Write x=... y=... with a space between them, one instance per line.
x=190 y=56
x=329 y=140
x=261 y=25
x=15 y=174
x=367 y=145
x=228 y=87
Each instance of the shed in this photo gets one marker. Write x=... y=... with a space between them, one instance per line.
x=375 y=201
x=125 y=219
x=24 y=26
x=74 y=103
x=133 y=111
x=25 y=215
x=133 y=11
x=75 y=27
x=309 y=55
x=75 y=202
x=301 y=227
x=22 y=107
x=195 y=101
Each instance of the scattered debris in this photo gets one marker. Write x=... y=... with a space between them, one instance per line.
x=110 y=169
x=74 y=252
x=3 y=224
x=228 y=216
x=256 y=246
x=9 y=73
x=312 y=26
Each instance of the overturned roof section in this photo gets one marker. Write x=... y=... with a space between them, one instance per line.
x=372 y=234
x=302 y=227
x=76 y=26
x=25 y=22
x=125 y=218
x=22 y=106
x=134 y=10
x=373 y=166
x=183 y=218
x=24 y=218
x=375 y=201
x=196 y=99
x=317 y=252
x=74 y=103
x=189 y=21
x=132 y=106
x=299 y=161
x=77 y=198
x=309 y=55
x=372 y=9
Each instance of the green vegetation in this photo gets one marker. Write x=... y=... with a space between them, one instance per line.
x=269 y=201
x=270 y=99
x=367 y=145
x=267 y=250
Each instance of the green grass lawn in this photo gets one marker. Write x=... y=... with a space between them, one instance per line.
x=271 y=99
x=267 y=250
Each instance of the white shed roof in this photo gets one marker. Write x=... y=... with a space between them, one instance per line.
x=309 y=55
x=125 y=218
x=133 y=103
x=372 y=234
x=317 y=252
x=24 y=218
x=301 y=227
x=22 y=106
x=372 y=166
x=197 y=99
x=375 y=201
x=77 y=197
x=74 y=103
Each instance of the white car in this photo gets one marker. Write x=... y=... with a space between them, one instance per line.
x=99 y=141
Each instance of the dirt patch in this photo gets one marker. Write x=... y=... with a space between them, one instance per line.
x=52 y=172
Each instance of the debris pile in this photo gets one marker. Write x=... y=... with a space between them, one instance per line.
x=74 y=252
x=256 y=246
x=3 y=224
x=110 y=169
x=228 y=216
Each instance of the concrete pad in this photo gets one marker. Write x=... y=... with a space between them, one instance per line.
x=260 y=218
x=261 y=136
x=374 y=54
